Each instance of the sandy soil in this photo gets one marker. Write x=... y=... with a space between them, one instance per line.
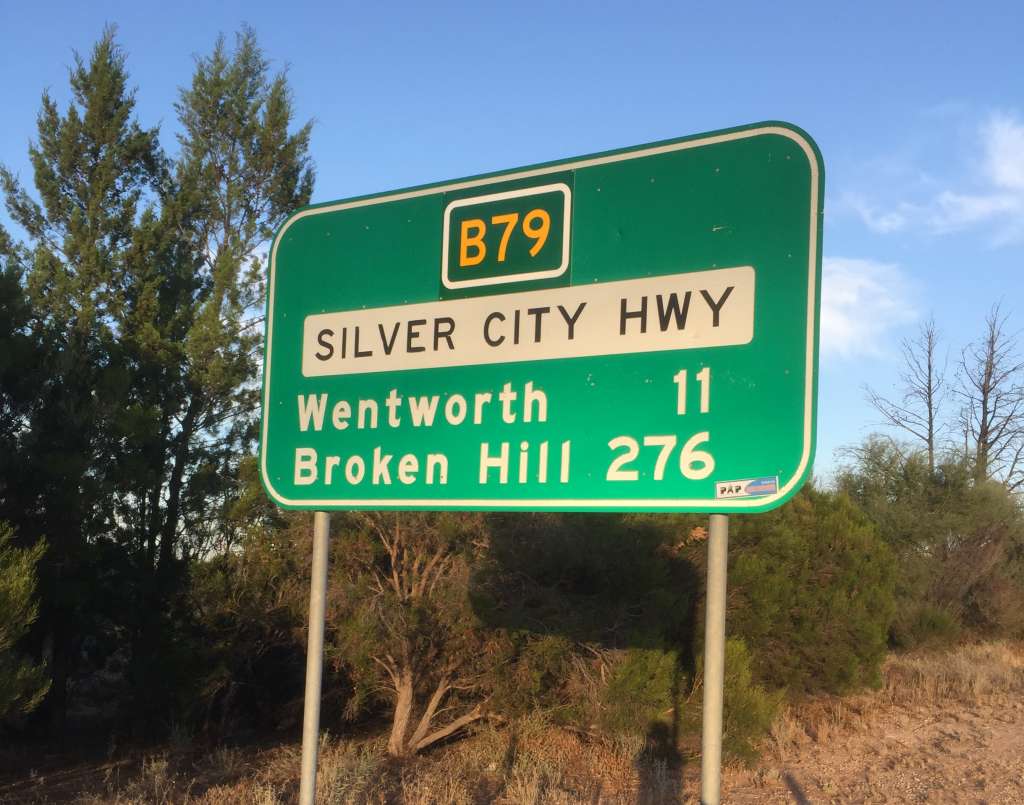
x=960 y=753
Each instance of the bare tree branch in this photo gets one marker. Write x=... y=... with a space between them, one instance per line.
x=924 y=390
x=430 y=711
x=450 y=729
x=991 y=390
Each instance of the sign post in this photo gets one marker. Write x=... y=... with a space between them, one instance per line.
x=314 y=658
x=714 y=661
x=635 y=330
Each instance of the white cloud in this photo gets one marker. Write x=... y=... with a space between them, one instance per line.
x=992 y=199
x=861 y=302
x=874 y=219
x=954 y=211
x=1003 y=137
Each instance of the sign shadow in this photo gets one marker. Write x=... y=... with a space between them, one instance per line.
x=619 y=593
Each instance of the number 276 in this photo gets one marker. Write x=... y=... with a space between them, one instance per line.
x=694 y=464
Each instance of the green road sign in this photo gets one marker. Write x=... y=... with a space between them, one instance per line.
x=633 y=330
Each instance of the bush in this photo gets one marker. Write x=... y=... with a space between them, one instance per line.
x=22 y=684
x=532 y=675
x=600 y=611
x=603 y=579
x=923 y=625
x=748 y=708
x=959 y=542
x=249 y=610
x=812 y=593
x=642 y=690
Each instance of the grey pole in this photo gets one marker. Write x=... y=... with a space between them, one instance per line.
x=714 y=662
x=314 y=658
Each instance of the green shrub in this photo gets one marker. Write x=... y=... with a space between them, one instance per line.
x=248 y=642
x=533 y=675
x=642 y=689
x=958 y=541
x=748 y=709
x=600 y=609
x=923 y=625
x=994 y=605
x=602 y=579
x=22 y=684
x=811 y=593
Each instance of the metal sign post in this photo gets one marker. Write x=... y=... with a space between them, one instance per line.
x=314 y=658
x=714 y=661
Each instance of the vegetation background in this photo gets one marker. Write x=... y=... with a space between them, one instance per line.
x=149 y=590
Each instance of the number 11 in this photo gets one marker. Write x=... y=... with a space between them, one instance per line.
x=704 y=378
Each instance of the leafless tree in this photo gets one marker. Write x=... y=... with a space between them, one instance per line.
x=991 y=390
x=923 y=391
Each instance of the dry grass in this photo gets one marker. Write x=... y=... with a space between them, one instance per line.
x=534 y=762
x=968 y=673
x=924 y=679
x=244 y=792
x=155 y=783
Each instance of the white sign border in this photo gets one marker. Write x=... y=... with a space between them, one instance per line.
x=568 y=503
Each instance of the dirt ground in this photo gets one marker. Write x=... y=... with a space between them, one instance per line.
x=943 y=727
x=962 y=753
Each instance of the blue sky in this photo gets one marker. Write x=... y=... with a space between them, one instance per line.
x=918 y=109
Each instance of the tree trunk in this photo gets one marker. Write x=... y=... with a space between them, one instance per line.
x=449 y=729
x=57 y=698
x=181 y=451
x=153 y=527
x=401 y=743
x=403 y=715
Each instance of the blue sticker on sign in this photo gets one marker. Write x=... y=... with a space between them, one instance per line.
x=747 y=488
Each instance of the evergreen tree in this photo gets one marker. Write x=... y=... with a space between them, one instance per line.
x=22 y=684
x=143 y=283
x=92 y=167
x=192 y=301
x=191 y=316
x=20 y=355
